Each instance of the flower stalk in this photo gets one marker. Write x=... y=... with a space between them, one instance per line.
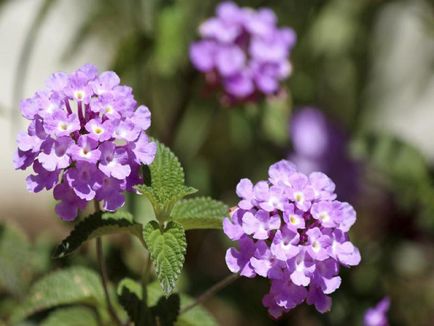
x=104 y=277
x=210 y=292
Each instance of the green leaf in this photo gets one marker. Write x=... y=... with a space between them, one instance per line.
x=97 y=225
x=71 y=316
x=15 y=254
x=200 y=213
x=167 y=248
x=68 y=286
x=163 y=312
x=167 y=182
x=130 y=297
x=166 y=310
x=197 y=316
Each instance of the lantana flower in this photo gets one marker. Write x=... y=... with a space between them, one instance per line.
x=243 y=50
x=86 y=139
x=377 y=316
x=291 y=230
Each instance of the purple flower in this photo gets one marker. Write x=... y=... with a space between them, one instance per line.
x=320 y=145
x=376 y=316
x=69 y=203
x=244 y=50
x=285 y=244
x=301 y=192
x=238 y=261
x=86 y=139
x=114 y=161
x=293 y=217
x=260 y=224
x=86 y=149
x=291 y=230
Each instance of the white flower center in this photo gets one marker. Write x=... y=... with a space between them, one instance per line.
x=79 y=95
x=316 y=246
x=324 y=216
x=109 y=109
x=84 y=152
x=97 y=130
x=63 y=126
x=299 y=197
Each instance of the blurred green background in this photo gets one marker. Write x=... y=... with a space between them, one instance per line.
x=368 y=65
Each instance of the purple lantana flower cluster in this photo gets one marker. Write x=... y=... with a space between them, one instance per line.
x=243 y=50
x=86 y=139
x=291 y=230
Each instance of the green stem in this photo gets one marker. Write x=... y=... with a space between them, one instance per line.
x=210 y=292
x=145 y=276
x=104 y=277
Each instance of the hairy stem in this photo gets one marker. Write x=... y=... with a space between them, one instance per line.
x=104 y=278
x=210 y=292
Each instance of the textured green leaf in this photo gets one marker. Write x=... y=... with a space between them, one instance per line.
x=166 y=310
x=167 y=248
x=68 y=286
x=15 y=270
x=131 y=298
x=71 y=316
x=167 y=182
x=97 y=225
x=200 y=213
x=197 y=316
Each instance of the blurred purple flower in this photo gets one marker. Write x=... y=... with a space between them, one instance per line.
x=244 y=51
x=86 y=139
x=291 y=230
x=319 y=145
x=376 y=316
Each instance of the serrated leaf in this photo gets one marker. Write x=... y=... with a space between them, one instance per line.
x=131 y=298
x=199 y=213
x=71 y=316
x=68 y=286
x=166 y=310
x=167 y=182
x=15 y=254
x=167 y=248
x=96 y=225
x=167 y=174
x=197 y=316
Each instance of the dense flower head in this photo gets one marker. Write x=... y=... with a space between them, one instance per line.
x=243 y=50
x=86 y=139
x=377 y=316
x=291 y=230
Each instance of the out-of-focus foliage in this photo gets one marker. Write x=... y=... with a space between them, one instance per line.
x=333 y=63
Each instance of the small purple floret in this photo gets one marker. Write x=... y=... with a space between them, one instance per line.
x=377 y=316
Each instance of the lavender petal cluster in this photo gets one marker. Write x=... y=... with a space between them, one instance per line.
x=86 y=139
x=377 y=316
x=243 y=50
x=291 y=230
